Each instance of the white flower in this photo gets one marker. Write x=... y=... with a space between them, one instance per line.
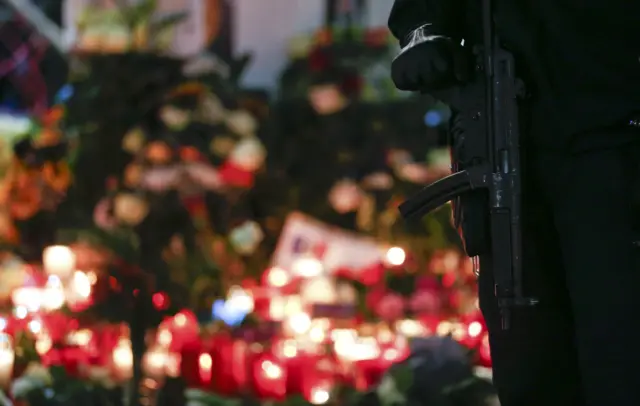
x=4 y=400
x=242 y=123
x=246 y=237
x=414 y=172
x=211 y=110
x=38 y=372
x=388 y=392
x=248 y=154
x=205 y=64
x=345 y=196
x=133 y=141
x=130 y=209
x=24 y=385
x=378 y=181
x=173 y=117
x=205 y=175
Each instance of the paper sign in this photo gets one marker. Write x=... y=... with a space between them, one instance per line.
x=304 y=237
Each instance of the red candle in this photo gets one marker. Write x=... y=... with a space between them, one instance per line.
x=222 y=357
x=190 y=365
x=270 y=378
x=484 y=351
x=184 y=329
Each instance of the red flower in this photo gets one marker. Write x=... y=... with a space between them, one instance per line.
x=319 y=60
x=352 y=84
x=425 y=301
x=234 y=176
x=376 y=37
x=373 y=297
x=343 y=272
x=390 y=307
x=427 y=283
x=194 y=205
x=372 y=274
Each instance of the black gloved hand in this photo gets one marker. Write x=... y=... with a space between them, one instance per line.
x=427 y=63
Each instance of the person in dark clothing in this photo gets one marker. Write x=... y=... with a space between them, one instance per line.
x=581 y=166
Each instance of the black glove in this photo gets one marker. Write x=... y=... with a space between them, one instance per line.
x=427 y=62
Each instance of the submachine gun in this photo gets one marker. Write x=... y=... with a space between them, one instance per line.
x=488 y=111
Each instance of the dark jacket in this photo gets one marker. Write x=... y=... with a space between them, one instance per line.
x=580 y=58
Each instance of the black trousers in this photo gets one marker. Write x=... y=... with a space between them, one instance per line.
x=581 y=344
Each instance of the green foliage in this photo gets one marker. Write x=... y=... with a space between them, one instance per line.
x=403 y=377
x=25 y=349
x=138 y=13
x=160 y=25
x=122 y=242
x=56 y=388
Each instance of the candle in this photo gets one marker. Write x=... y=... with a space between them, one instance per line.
x=164 y=337
x=27 y=298
x=183 y=328
x=353 y=348
x=172 y=367
x=43 y=343
x=278 y=277
x=59 y=260
x=240 y=300
x=298 y=324
x=282 y=306
x=222 y=353
x=123 y=359
x=53 y=297
x=80 y=338
x=269 y=378
x=79 y=289
x=205 y=364
x=319 y=396
x=7 y=357
x=411 y=328
x=395 y=256
x=154 y=362
x=192 y=365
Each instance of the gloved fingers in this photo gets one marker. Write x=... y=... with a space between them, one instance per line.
x=408 y=75
x=440 y=64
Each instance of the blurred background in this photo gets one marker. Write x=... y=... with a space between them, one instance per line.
x=199 y=206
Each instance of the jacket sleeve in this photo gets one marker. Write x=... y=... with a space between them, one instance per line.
x=447 y=17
